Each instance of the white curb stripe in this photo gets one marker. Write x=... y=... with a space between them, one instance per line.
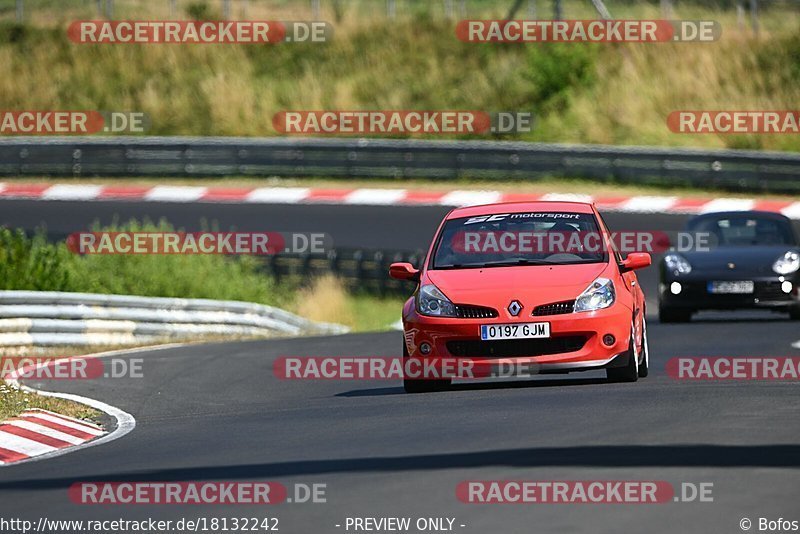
x=645 y=204
x=792 y=211
x=376 y=197
x=727 y=204
x=46 y=431
x=567 y=197
x=170 y=193
x=470 y=198
x=278 y=195
x=22 y=445
x=72 y=192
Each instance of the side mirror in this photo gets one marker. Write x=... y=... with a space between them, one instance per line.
x=635 y=260
x=403 y=271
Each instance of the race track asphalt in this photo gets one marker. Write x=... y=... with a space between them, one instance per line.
x=217 y=412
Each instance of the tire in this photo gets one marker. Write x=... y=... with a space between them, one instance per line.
x=422 y=386
x=674 y=315
x=794 y=313
x=629 y=373
x=644 y=367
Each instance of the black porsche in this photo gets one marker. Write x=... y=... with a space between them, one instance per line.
x=748 y=259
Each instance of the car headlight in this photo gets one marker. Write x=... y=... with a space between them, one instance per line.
x=600 y=294
x=677 y=264
x=431 y=301
x=787 y=264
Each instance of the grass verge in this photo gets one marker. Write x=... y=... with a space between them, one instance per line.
x=14 y=401
x=611 y=93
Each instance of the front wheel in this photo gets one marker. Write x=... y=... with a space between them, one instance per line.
x=629 y=373
x=644 y=367
x=794 y=313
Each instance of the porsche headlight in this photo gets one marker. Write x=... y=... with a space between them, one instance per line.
x=787 y=264
x=600 y=294
x=431 y=301
x=677 y=264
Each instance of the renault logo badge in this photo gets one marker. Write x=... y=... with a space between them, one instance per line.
x=514 y=308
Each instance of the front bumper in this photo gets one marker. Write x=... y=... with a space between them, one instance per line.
x=575 y=342
x=694 y=294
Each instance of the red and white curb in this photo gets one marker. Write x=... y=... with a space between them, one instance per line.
x=37 y=432
x=124 y=423
x=382 y=197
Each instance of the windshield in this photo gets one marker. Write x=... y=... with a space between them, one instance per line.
x=744 y=230
x=528 y=238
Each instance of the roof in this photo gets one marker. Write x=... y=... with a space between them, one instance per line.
x=739 y=214
x=521 y=207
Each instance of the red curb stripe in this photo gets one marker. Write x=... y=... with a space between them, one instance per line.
x=34 y=436
x=327 y=195
x=771 y=205
x=8 y=456
x=226 y=193
x=61 y=428
x=123 y=191
x=610 y=202
x=520 y=197
x=689 y=205
x=24 y=190
x=422 y=197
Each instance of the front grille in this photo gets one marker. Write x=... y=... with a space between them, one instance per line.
x=515 y=348
x=474 y=312
x=556 y=308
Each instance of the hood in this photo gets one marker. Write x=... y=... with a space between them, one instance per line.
x=532 y=285
x=750 y=260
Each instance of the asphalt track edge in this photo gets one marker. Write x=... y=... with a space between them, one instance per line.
x=124 y=422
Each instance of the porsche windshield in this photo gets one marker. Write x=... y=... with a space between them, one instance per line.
x=531 y=238
x=744 y=230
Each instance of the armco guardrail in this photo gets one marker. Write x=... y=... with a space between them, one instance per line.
x=388 y=158
x=53 y=318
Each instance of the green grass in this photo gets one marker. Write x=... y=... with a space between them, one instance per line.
x=609 y=93
x=376 y=313
x=32 y=263
x=14 y=401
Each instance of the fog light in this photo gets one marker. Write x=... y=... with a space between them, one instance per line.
x=786 y=287
x=675 y=288
x=609 y=340
x=425 y=348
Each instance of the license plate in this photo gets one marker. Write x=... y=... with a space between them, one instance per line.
x=514 y=331
x=738 y=288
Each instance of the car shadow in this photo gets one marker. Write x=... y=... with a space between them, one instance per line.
x=477 y=386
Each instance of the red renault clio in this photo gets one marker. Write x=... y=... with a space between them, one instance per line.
x=537 y=284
